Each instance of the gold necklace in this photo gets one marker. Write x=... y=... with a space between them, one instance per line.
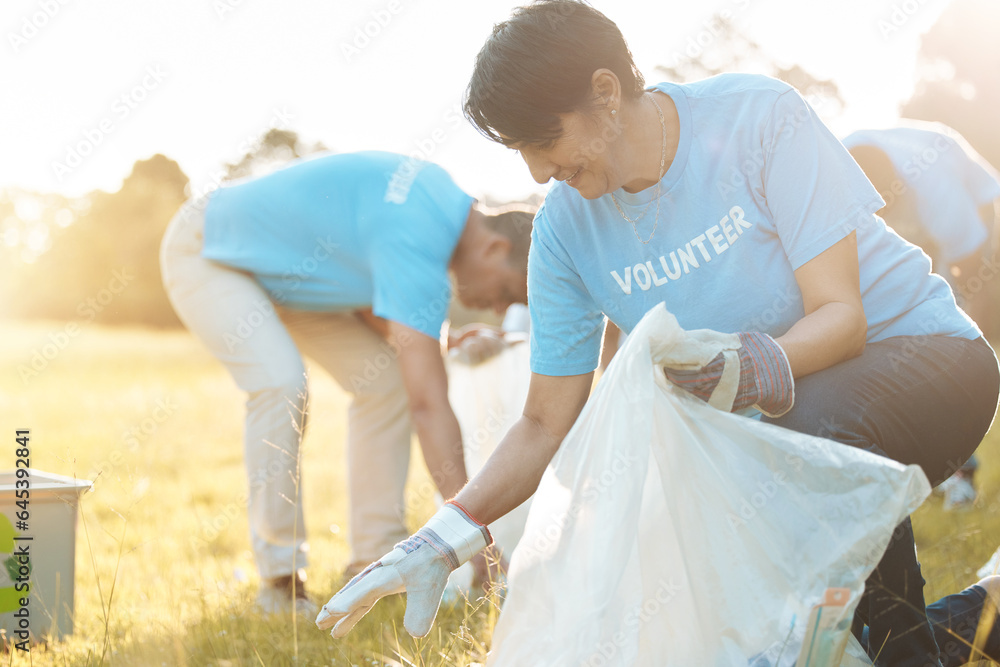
x=656 y=195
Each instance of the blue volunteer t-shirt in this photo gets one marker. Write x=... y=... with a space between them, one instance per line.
x=345 y=231
x=758 y=187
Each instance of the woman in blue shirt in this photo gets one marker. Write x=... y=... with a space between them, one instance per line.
x=731 y=202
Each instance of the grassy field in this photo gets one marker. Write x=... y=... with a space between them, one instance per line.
x=164 y=571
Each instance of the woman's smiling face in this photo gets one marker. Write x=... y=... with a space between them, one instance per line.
x=582 y=156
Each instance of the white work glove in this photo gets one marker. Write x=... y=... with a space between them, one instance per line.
x=419 y=566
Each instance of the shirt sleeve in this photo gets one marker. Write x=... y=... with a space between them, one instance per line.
x=411 y=287
x=566 y=325
x=816 y=193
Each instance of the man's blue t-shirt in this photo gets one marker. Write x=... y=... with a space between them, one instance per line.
x=345 y=231
x=758 y=187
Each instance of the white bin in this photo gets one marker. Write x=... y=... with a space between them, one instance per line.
x=52 y=526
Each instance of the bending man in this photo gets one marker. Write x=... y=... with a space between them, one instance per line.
x=345 y=259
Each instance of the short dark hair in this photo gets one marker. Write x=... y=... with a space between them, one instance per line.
x=538 y=64
x=514 y=222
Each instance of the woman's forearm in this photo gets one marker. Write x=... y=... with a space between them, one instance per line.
x=835 y=327
x=833 y=333
x=511 y=474
x=513 y=471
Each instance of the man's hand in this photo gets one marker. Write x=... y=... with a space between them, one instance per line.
x=418 y=566
x=456 y=336
x=479 y=347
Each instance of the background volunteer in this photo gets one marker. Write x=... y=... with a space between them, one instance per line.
x=344 y=258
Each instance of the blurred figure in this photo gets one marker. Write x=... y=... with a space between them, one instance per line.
x=940 y=195
x=343 y=258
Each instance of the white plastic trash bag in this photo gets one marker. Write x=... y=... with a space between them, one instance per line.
x=488 y=398
x=670 y=533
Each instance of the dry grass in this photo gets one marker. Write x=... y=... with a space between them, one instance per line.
x=165 y=529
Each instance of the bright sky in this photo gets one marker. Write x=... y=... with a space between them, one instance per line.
x=197 y=80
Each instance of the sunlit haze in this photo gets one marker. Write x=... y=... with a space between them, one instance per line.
x=199 y=80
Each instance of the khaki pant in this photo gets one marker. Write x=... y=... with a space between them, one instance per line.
x=261 y=344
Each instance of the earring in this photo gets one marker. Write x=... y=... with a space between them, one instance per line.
x=614 y=112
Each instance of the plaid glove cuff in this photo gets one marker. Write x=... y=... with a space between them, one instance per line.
x=766 y=381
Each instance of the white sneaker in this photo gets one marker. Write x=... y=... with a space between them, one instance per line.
x=992 y=566
x=958 y=492
x=276 y=596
